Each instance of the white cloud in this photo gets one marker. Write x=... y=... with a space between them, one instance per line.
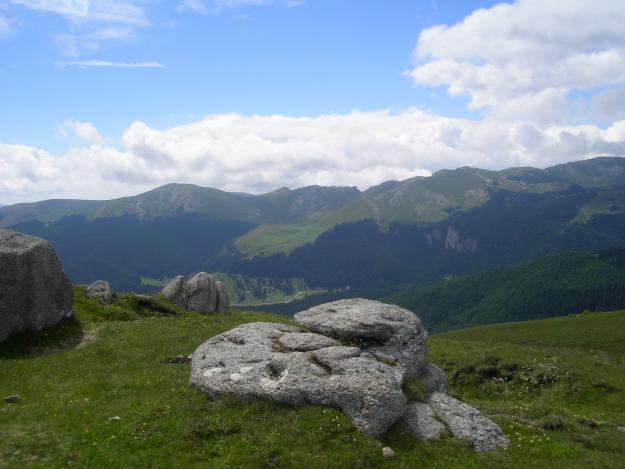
x=205 y=7
x=261 y=153
x=110 y=64
x=84 y=131
x=92 y=23
x=521 y=60
x=4 y=27
x=108 y=11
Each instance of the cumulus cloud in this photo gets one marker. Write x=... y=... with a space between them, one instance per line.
x=261 y=153
x=84 y=131
x=521 y=60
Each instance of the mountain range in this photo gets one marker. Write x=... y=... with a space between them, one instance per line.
x=422 y=230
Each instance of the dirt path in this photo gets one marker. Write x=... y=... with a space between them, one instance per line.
x=89 y=336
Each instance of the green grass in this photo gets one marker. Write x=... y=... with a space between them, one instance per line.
x=75 y=377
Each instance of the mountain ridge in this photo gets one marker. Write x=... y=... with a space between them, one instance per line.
x=455 y=222
x=516 y=178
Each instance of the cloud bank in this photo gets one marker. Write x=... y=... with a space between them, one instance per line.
x=262 y=153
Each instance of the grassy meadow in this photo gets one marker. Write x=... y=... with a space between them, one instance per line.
x=100 y=391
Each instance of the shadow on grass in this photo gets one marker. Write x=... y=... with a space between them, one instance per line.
x=65 y=335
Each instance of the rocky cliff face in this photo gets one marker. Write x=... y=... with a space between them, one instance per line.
x=451 y=241
x=34 y=291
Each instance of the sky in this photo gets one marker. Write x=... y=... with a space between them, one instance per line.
x=108 y=98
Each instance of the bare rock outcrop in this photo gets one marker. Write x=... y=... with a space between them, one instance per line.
x=390 y=333
x=200 y=293
x=256 y=361
x=356 y=355
x=34 y=291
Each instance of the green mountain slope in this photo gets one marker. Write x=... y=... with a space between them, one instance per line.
x=551 y=286
x=453 y=223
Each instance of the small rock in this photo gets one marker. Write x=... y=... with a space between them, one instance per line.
x=179 y=359
x=116 y=418
x=588 y=422
x=433 y=379
x=466 y=423
x=12 y=399
x=621 y=429
x=100 y=290
x=388 y=452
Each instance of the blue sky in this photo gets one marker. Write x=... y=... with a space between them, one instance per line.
x=324 y=56
x=107 y=98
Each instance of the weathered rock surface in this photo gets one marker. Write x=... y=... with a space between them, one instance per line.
x=420 y=420
x=100 y=290
x=433 y=379
x=392 y=334
x=201 y=293
x=357 y=358
x=174 y=291
x=250 y=362
x=34 y=291
x=466 y=422
x=223 y=300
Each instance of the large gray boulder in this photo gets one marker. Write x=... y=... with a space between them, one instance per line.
x=100 y=290
x=200 y=293
x=392 y=334
x=265 y=360
x=357 y=355
x=34 y=291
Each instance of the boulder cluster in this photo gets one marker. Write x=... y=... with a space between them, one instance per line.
x=200 y=293
x=34 y=291
x=357 y=355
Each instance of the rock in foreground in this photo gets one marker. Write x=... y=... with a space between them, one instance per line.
x=357 y=358
x=465 y=422
x=200 y=293
x=34 y=291
x=391 y=333
x=265 y=360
